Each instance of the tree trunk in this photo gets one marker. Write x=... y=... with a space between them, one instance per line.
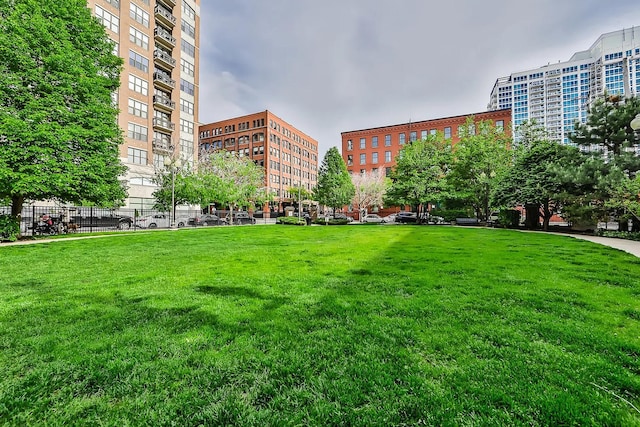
x=533 y=213
x=16 y=206
x=546 y=216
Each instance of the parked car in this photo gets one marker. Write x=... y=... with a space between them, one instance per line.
x=390 y=218
x=340 y=215
x=405 y=217
x=240 y=218
x=121 y=222
x=160 y=220
x=373 y=218
x=207 y=219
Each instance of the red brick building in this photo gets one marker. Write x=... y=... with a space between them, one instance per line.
x=377 y=148
x=288 y=155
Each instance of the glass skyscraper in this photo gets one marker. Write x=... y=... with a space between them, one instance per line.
x=558 y=95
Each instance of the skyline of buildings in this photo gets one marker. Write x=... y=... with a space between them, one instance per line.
x=557 y=95
x=288 y=155
x=158 y=97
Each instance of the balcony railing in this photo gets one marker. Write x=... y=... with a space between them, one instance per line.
x=163 y=80
x=164 y=16
x=164 y=37
x=163 y=124
x=162 y=146
x=169 y=3
x=162 y=102
x=164 y=58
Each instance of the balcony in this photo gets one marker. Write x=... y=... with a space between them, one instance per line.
x=162 y=80
x=164 y=37
x=169 y=3
x=164 y=147
x=163 y=103
x=164 y=16
x=163 y=59
x=163 y=124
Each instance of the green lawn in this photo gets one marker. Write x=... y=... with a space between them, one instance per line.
x=282 y=325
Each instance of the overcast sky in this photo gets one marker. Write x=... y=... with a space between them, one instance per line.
x=331 y=66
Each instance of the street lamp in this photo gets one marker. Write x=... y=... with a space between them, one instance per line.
x=635 y=123
x=173 y=165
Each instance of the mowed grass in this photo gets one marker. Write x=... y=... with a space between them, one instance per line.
x=280 y=325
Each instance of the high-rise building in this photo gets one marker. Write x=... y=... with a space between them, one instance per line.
x=558 y=95
x=158 y=97
x=376 y=149
x=289 y=156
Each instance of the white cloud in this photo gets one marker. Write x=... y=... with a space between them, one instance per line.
x=339 y=65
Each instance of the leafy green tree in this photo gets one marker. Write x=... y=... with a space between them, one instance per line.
x=334 y=188
x=228 y=179
x=540 y=180
x=478 y=160
x=59 y=136
x=175 y=183
x=419 y=176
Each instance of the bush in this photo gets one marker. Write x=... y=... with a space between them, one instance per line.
x=618 y=234
x=450 y=214
x=509 y=218
x=291 y=220
x=9 y=228
x=331 y=221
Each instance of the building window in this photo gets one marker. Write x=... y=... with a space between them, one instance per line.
x=188 y=29
x=447 y=132
x=423 y=134
x=114 y=3
x=136 y=156
x=138 y=61
x=500 y=125
x=363 y=159
x=374 y=142
x=186 y=126
x=387 y=140
x=187 y=67
x=350 y=160
x=374 y=158
x=387 y=156
x=186 y=106
x=363 y=143
x=188 y=48
x=139 y=38
x=349 y=145
x=110 y=21
x=187 y=87
x=138 y=15
x=136 y=84
x=138 y=132
x=433 y=132
x=188 y=10
x=402 y=139
x=138 y=108
x=413 y=136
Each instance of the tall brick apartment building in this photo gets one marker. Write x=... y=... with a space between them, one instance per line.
x=159 y=41
x=288 y=155
x=377 y=148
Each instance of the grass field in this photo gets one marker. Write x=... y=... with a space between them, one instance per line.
x=281 y=325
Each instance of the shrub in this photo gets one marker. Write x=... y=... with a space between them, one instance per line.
x=509 y=218
x=9 y=228
x=450 y=214
x=331 y=221
x=618 y=234
x=291 y=220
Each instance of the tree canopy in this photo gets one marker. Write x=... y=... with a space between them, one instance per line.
x=59 y=136
x=334 y=188
x=419 y=176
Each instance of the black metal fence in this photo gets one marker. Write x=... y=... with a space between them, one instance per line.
x=51 y=220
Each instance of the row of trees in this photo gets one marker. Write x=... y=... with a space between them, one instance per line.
x=592 y=178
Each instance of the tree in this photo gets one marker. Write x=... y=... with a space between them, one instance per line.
x=175 y=184
x=419 y=176
x=370 y=188
x=334 y=188
x=478 y=160
x=607 y=133
x=59 y=136
x=539 y=180
x=230 y=180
